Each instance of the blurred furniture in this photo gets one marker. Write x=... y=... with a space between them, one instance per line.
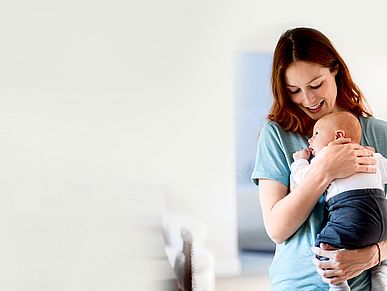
x=183 y=263
x=194 y=264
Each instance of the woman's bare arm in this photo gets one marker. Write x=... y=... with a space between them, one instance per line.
x=284 y=213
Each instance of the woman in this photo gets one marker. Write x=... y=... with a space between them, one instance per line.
x=309 y=80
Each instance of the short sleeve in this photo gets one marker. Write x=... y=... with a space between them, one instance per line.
x=271 y=161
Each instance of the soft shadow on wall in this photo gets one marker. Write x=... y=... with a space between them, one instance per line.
x=253 y=101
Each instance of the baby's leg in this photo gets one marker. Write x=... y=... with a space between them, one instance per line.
x=379 y=277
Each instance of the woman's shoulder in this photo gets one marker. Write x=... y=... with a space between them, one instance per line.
x=272 y=136
x=270 y=129
x=269 y=125
x=372 y=123
x=374 y=133
x=273 y=129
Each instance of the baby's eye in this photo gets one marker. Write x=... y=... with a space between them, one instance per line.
x=316 y=133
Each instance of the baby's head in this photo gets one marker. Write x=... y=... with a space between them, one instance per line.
x=333 y=126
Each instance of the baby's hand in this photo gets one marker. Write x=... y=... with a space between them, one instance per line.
x=302 y=154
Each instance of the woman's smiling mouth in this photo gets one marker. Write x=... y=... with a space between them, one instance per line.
x=315 y=108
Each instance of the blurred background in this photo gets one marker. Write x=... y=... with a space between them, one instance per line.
x=115 y=112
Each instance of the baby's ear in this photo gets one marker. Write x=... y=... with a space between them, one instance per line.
x=339 y=133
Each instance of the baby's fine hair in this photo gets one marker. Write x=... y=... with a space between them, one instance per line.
x=346 y=121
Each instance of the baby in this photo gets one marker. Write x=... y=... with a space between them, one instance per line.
x=357 y=206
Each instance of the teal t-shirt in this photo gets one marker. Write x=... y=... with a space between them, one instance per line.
x=292 y=267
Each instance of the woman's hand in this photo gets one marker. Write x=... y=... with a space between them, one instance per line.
x=341 y=159
x=343 y=264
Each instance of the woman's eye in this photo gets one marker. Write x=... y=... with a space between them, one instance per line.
x=294 y=92
x=317 y=86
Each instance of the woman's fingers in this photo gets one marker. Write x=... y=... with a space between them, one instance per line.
x=363 y=152
x=366 y=164
x=324 y=265
x=370 y=148
x=328 y=271
x=360 y=151
x=366 y=160
x=327 y=253
x=371 y=169
x=341 y=140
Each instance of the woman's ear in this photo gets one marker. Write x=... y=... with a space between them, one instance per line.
x=339 y=133
x=334 y=70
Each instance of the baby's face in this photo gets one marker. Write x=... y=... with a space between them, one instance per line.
x=323 y=134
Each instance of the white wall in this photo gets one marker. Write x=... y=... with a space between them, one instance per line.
x=194 y=46
x=102 y=93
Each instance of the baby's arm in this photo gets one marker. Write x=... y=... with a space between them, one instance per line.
x=302 y=154
x=299 y=167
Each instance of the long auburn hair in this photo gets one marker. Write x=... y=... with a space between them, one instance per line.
x=309 y=45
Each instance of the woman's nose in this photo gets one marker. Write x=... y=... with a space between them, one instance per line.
x=309 y=97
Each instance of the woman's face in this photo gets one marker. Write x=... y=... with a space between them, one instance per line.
x=312 y=87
